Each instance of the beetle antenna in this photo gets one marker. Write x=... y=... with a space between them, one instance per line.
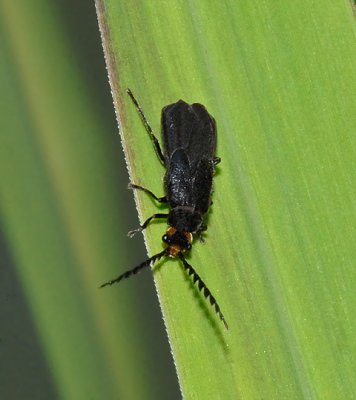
x=202 y=287
x=137 y=269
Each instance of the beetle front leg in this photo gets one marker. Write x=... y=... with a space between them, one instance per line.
x=203 y=228
x=146 y=223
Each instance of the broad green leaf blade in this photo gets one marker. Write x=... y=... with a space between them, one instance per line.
x=280 y=80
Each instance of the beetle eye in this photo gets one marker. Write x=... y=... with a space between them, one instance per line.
x=164 y=238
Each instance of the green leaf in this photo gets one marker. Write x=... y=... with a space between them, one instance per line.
x=280 y=80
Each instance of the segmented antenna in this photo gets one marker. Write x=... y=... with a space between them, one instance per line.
x=137 y=269
x=202 y=287
x=147 y=126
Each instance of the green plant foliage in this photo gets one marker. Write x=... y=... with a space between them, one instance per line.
x=279 y=77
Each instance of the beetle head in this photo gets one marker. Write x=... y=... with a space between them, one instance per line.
x=177 y=241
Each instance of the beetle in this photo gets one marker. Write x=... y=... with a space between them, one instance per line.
x=189 y=140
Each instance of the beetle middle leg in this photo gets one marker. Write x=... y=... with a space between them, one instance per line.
x=146 y=223
x=159 y=199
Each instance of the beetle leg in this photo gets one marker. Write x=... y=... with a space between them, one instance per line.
x=203 y=228
x=159 y=199
x=147 y=127
x=216 y=160
x=146 y=223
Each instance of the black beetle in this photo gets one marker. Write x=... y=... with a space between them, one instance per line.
x=189 y=138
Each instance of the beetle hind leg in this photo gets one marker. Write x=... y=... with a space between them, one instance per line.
x=148 y=127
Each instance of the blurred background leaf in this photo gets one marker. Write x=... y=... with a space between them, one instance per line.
x=65 y=212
